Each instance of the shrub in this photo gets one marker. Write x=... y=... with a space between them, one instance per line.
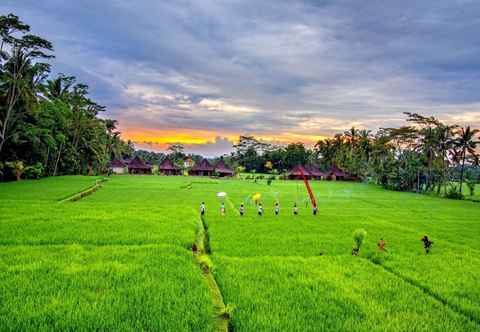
x=454 y=193
x=358 y=237
x=34 y=171
x=17 y=167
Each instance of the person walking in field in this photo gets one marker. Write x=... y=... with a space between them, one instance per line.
x=202 y=209
x=295 y=209
x=277 y=208
x=260 y=209
x=427 y=244
x=381 y=245
x=222 y=209
x=242 y=209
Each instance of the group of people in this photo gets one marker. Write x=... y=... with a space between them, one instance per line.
x=260 y=210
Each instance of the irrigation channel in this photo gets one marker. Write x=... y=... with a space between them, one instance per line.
x=201 y=251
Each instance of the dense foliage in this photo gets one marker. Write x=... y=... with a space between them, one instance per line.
x=424 y=156
x=48 y=125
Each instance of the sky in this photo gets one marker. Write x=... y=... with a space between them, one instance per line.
x=202 y=73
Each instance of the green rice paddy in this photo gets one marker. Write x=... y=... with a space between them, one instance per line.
x=121 y=259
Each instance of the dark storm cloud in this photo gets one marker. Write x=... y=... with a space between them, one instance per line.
x=267 y=67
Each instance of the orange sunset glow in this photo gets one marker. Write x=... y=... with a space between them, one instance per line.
x=161 y=139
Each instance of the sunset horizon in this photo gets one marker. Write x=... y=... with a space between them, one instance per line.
x=202 y=74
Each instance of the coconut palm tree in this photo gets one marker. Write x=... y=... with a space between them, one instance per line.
x=21 y=75
x=466 y=143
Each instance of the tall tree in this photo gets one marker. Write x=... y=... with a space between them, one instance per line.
x=467 y=143
x=21 y=72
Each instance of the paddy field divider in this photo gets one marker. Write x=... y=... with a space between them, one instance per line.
x=202 y=258
x=85 y=192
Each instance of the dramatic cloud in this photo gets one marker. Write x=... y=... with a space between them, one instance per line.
x=203 y=72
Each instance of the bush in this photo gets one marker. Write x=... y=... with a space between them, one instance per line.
x=17 y=167
x=454 y=193
x=358 y=237
x=34 y=171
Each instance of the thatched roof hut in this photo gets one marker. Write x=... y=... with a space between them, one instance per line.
x=203 y=168
x=138 y=166
x=117 y=166
x=167 y=167
x=315 y=173
x=223 y=170
x=311 y=172
x=337 y=173
x=298 y=172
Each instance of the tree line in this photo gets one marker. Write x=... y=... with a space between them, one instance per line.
x=48 y=125
x=425 y=155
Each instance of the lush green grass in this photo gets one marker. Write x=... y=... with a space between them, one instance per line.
x=49 y=189
x=128 y=288
x=126 y=252
x=115 y=260
x=449 y=274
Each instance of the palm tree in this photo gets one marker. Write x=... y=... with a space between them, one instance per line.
x=445 y=145
x=466 y=143
x=21 y=76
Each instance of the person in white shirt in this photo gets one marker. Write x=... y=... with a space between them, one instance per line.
x=242 y=209
x=260 y=209
x=202 y=209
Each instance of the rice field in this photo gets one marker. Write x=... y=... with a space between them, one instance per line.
x=121 y=259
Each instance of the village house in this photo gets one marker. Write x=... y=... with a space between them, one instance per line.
x=203 y=168
x=315 y=173
x=336 y=174
x=310 y=172
x=117 y=166
x=138 y=166
x=188 y=162
x=223 y=170
x=167 y=167
x=298 y=172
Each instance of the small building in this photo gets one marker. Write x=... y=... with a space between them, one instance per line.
x=315 y=173
x=203 y=168
x=188 y=162
x=138 y=166
x=168 y=168
x=222 y=170
x=117 y=166
x=336 y=174
x=298 y=172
